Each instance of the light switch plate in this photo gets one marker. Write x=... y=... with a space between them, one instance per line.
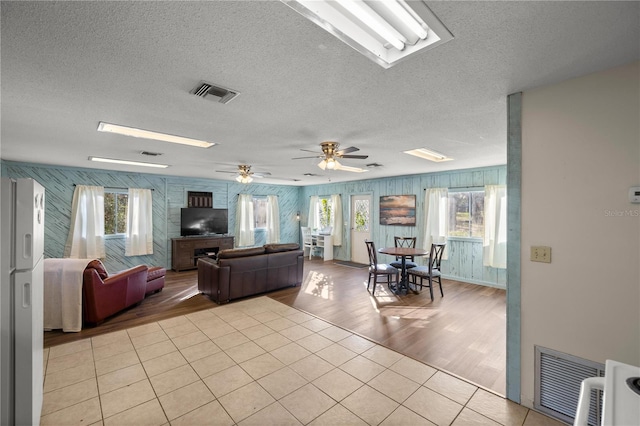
x=541 y=254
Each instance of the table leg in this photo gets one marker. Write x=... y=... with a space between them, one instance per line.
x=403 y=286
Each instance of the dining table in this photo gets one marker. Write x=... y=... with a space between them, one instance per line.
x=403 y=253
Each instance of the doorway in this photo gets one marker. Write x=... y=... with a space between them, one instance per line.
x=360 y=227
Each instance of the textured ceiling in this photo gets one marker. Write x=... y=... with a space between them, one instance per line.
x=68 y=65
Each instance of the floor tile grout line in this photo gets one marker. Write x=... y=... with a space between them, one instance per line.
x=311 y=352
x=103 y=418
x=391 y=349
x=93 y=359
x=339 y=402
x=147 y=378
x=387 y=368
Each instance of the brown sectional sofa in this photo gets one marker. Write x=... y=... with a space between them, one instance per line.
x=245 y=272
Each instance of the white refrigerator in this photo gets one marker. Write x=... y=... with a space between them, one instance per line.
x=21 y=301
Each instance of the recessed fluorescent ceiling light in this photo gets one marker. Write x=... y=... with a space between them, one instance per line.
x=384 y=31
x=427 y=154
x=147 y=134
x=127 y=162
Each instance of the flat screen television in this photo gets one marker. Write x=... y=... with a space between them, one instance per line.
x=203 y=221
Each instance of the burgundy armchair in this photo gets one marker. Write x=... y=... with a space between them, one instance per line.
x=103 y=295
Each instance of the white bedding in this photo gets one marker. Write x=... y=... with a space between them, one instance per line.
x=63 y=293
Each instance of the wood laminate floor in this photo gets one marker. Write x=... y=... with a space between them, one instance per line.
x=463 y=333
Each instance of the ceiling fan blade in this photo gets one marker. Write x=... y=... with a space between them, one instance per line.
x=315 y=156
x=361 y=157
x=226 y=171
x=347 y=150
x=308 y=150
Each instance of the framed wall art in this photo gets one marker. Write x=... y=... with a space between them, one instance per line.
x=398 y=210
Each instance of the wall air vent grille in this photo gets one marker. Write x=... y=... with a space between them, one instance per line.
x=558 y=377
x=214 y=93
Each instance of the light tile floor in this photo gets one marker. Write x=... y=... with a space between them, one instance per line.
x=256 y=362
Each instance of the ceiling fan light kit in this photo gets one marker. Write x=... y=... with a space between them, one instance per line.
x=331 y=164
x=244 y=179
x=330 y=154
x=244 y=174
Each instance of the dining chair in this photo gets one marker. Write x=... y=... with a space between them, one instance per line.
x=430 y=272
x=409 y=242
x=377 y=270
x=308 y=240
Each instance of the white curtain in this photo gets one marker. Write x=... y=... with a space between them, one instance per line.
x=494 y=247
x=86 y=234
x=273 y=220
x=436 y=218
x=336 y=219
x=314 y=216
x=139 y=236
x=244 y=221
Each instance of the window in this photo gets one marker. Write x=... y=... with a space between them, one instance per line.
x=466 y=214
x=115 y=212
x=325 y=211
x=320 y=212
x=260 y=212
x=361 y=216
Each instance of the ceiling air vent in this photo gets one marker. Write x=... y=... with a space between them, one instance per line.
x=214 y=93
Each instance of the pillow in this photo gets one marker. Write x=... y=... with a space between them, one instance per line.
x=99 y=267
x=243 y=252
x=276 y=248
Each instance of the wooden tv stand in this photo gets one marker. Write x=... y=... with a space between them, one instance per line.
x=186 y=251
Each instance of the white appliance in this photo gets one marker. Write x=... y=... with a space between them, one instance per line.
x=621 y=397
x=21 y=301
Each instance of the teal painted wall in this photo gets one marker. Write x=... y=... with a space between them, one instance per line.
x=464 y=257
x=225 y=195
x=169 y=195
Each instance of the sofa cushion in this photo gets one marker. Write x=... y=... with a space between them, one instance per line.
x=155 y=272
x=99 y=267
x=155 y=279
x=277 y=248
x=243 y=252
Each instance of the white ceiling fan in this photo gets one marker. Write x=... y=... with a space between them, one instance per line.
x=330 y=155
